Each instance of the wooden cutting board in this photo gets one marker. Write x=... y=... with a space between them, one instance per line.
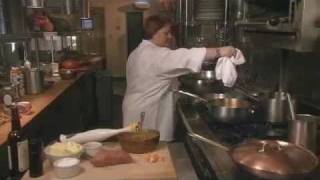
x=141 y=169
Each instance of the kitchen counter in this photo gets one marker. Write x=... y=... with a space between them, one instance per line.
x=176 y=165
x=42 y=101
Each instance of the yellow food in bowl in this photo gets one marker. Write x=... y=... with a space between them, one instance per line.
x=64 y=149
x=143 y=135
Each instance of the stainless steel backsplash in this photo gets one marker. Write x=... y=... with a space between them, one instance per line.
x=301 y=72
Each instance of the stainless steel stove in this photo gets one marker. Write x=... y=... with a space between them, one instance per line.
x=213 y=162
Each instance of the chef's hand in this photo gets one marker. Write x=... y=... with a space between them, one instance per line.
x=169 y=5
x=226 y=51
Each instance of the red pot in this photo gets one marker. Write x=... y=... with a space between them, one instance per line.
x=70 y=64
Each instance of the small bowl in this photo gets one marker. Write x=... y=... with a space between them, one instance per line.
x=139 y=142
x=67 y=167
x=52 y=158
x=24 y=107
x=91 y=148
x=142 y=5
x=67 y=74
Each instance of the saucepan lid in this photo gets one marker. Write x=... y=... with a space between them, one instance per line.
x=273 y=156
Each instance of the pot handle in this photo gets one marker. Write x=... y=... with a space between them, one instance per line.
x=252 y=111
x=264 y=144
x=201 y=138
x=190 y=95
x=206 y=140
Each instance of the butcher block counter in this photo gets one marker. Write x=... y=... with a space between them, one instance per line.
x=175 y=165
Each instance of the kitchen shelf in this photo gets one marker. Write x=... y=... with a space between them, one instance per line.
x=19 y=37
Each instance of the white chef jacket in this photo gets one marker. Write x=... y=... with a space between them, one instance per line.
x=151 y=73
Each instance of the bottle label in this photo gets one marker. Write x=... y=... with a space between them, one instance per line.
x=23 y=155
x=9 y=158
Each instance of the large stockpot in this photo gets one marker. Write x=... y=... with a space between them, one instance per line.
x=270 y=159
x=275 y=108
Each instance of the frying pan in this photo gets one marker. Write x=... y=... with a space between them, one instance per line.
x=224 y=109
x=199 y=83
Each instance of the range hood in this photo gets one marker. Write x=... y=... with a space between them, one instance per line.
x=288 y=24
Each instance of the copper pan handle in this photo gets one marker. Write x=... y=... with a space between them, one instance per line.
x=265 y=144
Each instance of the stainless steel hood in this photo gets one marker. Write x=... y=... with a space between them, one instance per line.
x=34 y=4
x=293 y=27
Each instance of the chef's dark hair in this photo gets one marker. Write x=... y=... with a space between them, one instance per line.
x=153 y=24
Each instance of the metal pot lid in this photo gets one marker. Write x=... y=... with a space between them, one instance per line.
x=277 y=157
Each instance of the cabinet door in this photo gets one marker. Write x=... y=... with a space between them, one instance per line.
x=64 y=115
x=88 y=107
x=134 y=30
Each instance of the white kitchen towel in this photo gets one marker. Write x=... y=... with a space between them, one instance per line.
x=226 y=70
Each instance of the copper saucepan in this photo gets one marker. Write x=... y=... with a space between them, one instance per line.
x=270 y=159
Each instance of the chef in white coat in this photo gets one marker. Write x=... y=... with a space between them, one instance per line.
x=152 y=71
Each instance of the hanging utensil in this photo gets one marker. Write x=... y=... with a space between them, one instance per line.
x=292 y=112
x=54 y=65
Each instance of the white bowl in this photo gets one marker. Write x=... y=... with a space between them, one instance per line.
x=142 y=5
x=24 y=107
x=92 y=148
x=67 y=167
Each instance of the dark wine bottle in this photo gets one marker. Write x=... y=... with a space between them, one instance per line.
x=35 y=156
x=17 y=146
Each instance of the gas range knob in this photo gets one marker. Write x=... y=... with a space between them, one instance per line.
x=273 y=21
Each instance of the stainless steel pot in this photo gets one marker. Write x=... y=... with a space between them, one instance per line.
x=230 y=110
x=303 y=131
x=275 y=108
x=34 y=80
x=270 y=159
